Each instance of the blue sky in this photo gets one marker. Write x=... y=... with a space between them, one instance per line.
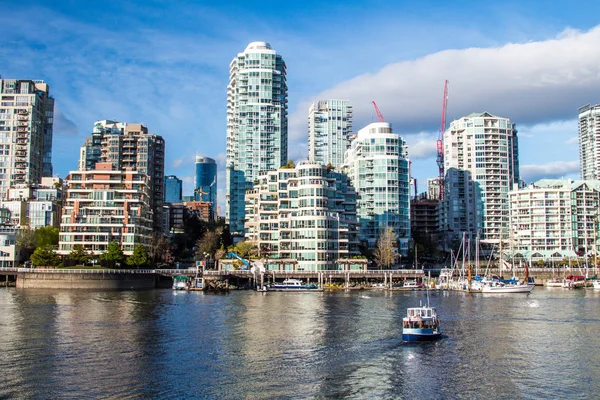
x=166 y=64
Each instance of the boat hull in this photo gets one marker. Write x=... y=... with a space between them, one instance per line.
x=507 y=289
x=296 y=289
x=420 y=335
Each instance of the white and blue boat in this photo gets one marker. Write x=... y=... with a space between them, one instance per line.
x=293 y=285
x=421 y=324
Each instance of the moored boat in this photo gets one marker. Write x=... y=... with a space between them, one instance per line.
x=293 y=285
x=501 y=287
x=181 y=282
x=421 y=324
x=596 y=284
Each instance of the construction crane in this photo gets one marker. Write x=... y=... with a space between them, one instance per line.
x=440 y=145
x=378 y=112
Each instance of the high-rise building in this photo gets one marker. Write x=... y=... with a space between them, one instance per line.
x=481 y=157
x=103 y=205
x=26 y=121
x=205 y=188
x=378 y=166
x=306 y=214
x=173 y=189
x=129 y=146
x=589 y=142
x=257 y=124
x=329 y=132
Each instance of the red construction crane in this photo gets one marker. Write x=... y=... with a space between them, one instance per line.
x=440 y=144
x=377 y=111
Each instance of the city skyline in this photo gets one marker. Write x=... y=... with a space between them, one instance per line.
x=536 y=67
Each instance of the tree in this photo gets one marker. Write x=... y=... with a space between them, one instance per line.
x=46 y=235
x=113 y=254
x=208 y=243
x=245 y=249
x=226 y=238
x=45 y=256
x=290 y=164
x=159 y=247
x=386 y=248
x=26 y=242
x=139 y=258
x=79 y=254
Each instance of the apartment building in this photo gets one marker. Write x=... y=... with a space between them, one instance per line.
x=257 y=124
x=329 y=132
x=26 y=126
x=205 y=188
x=34 y=206
x=554 y=219
x=589 y=142
x=103 y=205
x=306 y=213
x=378 y=166
x=129 y=146
x=481 y=160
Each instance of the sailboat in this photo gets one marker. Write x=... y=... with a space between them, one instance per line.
x=498 y=286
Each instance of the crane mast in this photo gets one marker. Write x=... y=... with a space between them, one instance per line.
x=440 y=145
x=377 y=111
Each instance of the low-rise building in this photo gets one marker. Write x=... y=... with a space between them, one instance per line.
x=105 y=205
x=553 y=219
x=35 y=206
x=306 y=214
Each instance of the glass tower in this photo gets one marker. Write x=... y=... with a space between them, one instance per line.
x=257 y=124
x=377 y=163
x=173 y=189
x=329 y=131
x=205 y=188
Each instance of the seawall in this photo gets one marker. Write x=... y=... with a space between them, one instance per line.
x=78 y=280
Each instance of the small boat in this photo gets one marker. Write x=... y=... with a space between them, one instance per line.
x=421 y=324
x=555 y=282
x=574 y=282
x=293 y=285
x=596 y=284
x=412 y=284
x=181 y=282
x=501 y=287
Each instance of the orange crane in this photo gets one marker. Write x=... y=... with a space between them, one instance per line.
x=377 y=111
x=440 y=145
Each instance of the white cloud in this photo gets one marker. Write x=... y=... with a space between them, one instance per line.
x=421 y=146
x=530 y=83
x=572 y=140
x=556 y=169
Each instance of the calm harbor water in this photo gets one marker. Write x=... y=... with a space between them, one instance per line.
x=166 y=344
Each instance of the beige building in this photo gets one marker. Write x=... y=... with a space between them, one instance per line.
x=104 y=205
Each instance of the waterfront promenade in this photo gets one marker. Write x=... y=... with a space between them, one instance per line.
x=149 y=278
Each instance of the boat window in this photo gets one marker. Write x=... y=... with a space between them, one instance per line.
x=429 y=313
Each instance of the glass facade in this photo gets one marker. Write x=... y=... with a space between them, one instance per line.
x=329 y=131
x=173 y=189
x=377 y=163
x=256 y=124
x=205 y=188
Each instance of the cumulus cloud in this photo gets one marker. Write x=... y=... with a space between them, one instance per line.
x=530 y=83
x=421 y=146
x=556 y=169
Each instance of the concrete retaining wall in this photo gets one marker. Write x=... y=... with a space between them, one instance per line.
x=41 y=280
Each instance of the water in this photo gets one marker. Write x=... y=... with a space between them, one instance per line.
x=166 y=344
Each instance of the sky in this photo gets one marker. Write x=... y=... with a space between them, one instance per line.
x=166 y=64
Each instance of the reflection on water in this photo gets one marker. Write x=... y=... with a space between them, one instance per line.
x=167 y=344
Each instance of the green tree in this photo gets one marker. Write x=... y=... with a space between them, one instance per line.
x=45 y=256
x=208 y=243
x=386 y=248
x=80 y=255
x=46 y=235
x=26 y=242
x=139 y=258
x=245 y=249
x=113 y=254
